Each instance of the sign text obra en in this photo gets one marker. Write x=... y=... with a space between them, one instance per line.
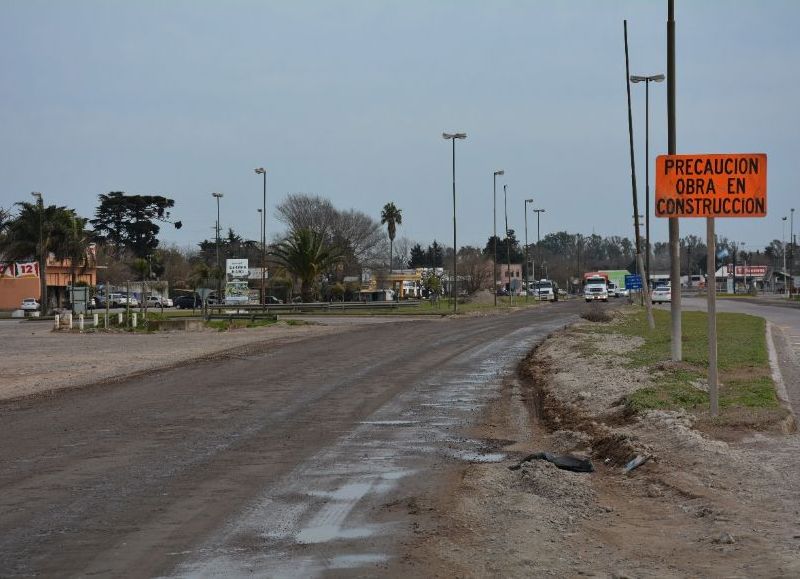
x=711 y=185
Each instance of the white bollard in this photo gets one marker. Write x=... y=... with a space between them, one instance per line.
x=69 y=320
x=80 y=322
x=55 y=322
x=133 y=320
x=95 y=320
x=119 y=319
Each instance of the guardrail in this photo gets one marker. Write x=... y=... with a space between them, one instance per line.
x=299 y=308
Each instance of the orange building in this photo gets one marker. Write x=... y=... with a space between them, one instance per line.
x=20 y=280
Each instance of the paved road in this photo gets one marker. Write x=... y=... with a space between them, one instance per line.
x=282 y=462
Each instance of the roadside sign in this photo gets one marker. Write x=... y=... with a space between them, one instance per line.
x=633 y=282
x=711 y=185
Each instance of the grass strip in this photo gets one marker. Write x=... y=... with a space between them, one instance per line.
x=743 y=361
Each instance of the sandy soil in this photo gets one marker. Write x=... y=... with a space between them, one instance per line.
x=37 y=360
x=699 y=506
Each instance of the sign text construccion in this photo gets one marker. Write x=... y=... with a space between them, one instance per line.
x=711 y=185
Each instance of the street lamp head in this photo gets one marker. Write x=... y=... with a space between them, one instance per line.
x=529 y=201
x=635 y=78
x=217 y=195
x=37 y=195
x=260 y=171
x=658 y=78
x=259 y=209
x=500 y=172
x=454 y=135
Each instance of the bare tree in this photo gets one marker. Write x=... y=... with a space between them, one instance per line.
x=402 y=252
x=357 y=235
x=475 y=268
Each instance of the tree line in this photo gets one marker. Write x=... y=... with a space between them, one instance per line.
x=322 y=252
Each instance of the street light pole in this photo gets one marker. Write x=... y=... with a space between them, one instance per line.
x=453 y=137
x=42 y=257
x=218 y=196
x=647 y=80
x=263 y=172
x=527 y=260
x=494 y=225
x=261 y=238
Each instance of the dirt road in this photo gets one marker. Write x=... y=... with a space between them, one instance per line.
x=294 y=460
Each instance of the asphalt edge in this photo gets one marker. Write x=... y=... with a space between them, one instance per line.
x=789 y=424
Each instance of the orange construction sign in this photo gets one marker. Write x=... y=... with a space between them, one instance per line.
x=711 y=185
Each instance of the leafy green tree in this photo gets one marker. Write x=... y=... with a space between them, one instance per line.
x=432 y=284
x=418 y=258
x=304 y=254
x=391 y=216
x=128 y=222
x=434 y=255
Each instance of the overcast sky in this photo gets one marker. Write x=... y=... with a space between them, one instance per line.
x=348 y=100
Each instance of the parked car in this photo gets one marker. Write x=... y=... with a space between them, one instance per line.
x=158 y=302
x=662 y=294
x=124 y=301
x=273 y=300
x=188 y=302
x=30 y=305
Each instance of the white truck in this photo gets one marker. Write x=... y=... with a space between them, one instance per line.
x=544 y=289
x=595 y=288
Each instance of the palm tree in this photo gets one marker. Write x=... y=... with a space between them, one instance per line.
x=38 y=231
x=392 y=217
x=77 y=244
x=305 y=255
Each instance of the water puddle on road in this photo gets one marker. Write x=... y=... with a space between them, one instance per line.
x=355 y=561
x=325 y=533
x=470 y=456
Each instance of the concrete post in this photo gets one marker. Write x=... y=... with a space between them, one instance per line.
x=95 y=320
x=119 y=319
x=69 y=320
x=133 y=320
x=80 y=322
x=55 y=322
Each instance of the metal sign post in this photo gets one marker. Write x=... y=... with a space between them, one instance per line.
x=711 y=186
x=711 y=293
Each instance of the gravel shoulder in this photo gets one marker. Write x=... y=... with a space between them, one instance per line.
x=37 y=360
x=700 y=506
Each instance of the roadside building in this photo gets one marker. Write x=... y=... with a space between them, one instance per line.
x=510 y=277
x=20 y=280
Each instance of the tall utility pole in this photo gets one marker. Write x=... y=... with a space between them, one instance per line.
x=674 y=227
x=527 y=260
x=263 y=172
x=494 y=222
x=786 y=284
x=537 y=254
x=453 y=137
x=791 y=239
x=218 y=196
x=647 y=80
x=639 y=262
x=508 y=247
